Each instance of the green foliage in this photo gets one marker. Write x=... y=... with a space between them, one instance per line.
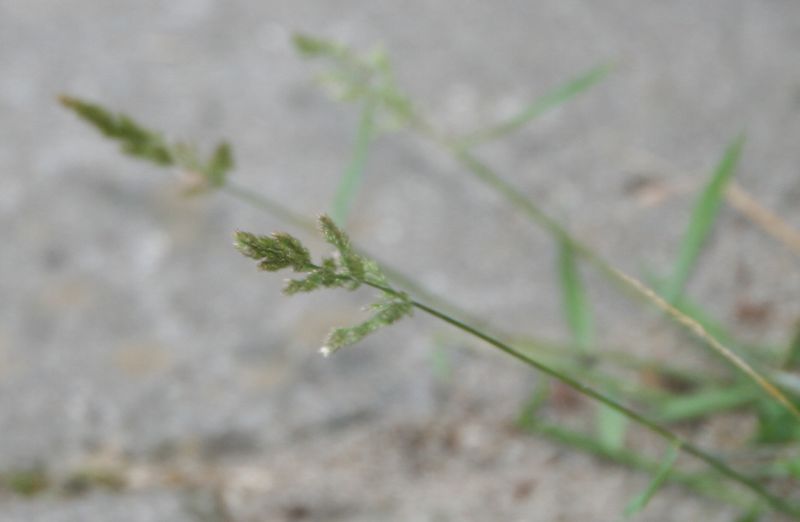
x=611 y=425
x=142 y=143
x=706 y=402
x=368 y=79
x=573 y=297
x=351 y=179
x=555 y=98
x=775 y=424
x=702 y=219
x=347 y=270
x=638 y=504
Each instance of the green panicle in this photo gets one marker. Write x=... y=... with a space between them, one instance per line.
x=142 y=143
x=134 y=139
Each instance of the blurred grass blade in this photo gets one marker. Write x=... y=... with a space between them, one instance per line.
x=351 y=180
x=683 y=408
x=753 y=515
x=551 y=100
x=611 y=428
x=792 y=360
x=640 y=502
x=573 y=296
x=611 y=425
x=702 y=219
x=441 y=360
x=527 y=417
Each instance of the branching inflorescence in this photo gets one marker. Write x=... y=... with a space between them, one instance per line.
x=346 y=269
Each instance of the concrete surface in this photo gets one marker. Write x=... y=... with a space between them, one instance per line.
x=130 y=329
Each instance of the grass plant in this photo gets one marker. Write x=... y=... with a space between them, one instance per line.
x=751 y=384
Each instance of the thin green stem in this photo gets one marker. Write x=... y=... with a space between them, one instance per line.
x=279 y=211
x=269 y=206
x=663 y=432
x=531 y=210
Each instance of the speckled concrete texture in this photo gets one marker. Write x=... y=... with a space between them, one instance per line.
x=130 y=328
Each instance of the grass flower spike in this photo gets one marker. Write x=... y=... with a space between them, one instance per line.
x=347 y=269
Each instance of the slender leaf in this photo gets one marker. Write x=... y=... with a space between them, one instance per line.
x=573 y=296
x=702 y=219
x=351 y=180
x=683 y=408
x=611 y=425
x=549 y=101
x=775 y=424
x=638 y=504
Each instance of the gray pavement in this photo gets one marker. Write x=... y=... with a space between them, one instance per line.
x=132 y=330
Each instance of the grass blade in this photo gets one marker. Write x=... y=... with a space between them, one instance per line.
x=573 y=296
x=683 y=408
x=611 y=426
x=702 y=219
x=549 y=101
x=351 y=180
x=638 y=504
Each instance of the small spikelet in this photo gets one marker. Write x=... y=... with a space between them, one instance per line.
x=134 y=139
x=274 y=252
x=294 y=250
x=352 y=262
x=249 y=245
x=143 y=143
x=387 y=311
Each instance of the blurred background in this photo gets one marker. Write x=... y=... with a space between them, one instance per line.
x=149 y=372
